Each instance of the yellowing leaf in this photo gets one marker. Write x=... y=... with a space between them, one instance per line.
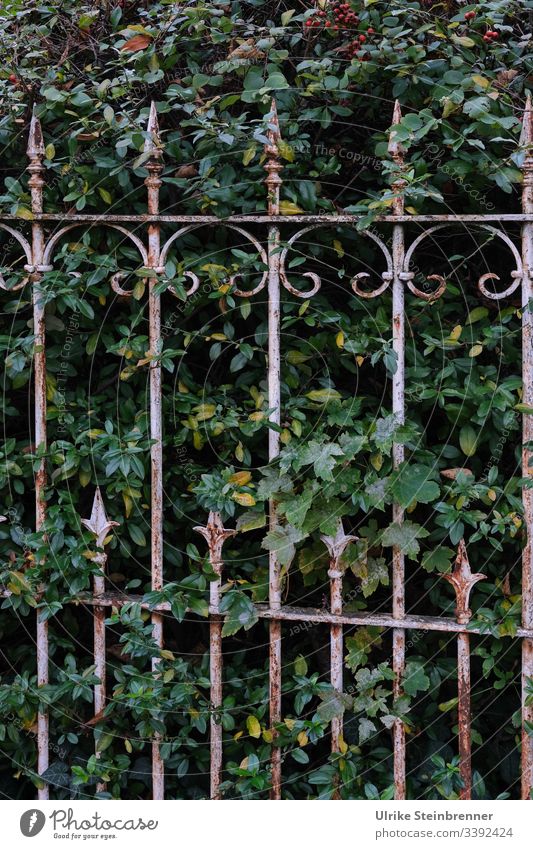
x=205 y=411
x=475 y=351
x=286 y=152
x=483 y=82
x=197 y=440
x=128 y=746
x=239 y=452
x=287 y=207
x=339 y=339
x=167 y=654
x=302 y=738
x=254 y=727
x=339 y=250
x=456 y=333
x=322 y=396
x=463 y=40
x=105 y=195
x=245 y=499
x=241 y=478
x=249 y=154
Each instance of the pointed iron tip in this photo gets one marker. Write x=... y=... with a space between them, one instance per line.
x=152 y=142
x=394 y=147
x=35 y=137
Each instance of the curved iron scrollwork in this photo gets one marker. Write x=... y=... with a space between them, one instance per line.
x=408 y=276
x=26 y=247
x=386 y=276
x=240 y=293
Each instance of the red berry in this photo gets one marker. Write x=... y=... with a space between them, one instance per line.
x=371 y=30
x=493 y=33
x=469 y=16
x=487 y=38
x=327 y=24
x=322 y=14
x=362 y=38
x=309 y=23
x=13 y=78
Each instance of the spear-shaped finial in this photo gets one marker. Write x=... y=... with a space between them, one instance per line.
x=396 y=152
x=36 y=151
x=153 y=151
x=99 y=524
x=462 y=581
x=273 y=165
x=526 y=142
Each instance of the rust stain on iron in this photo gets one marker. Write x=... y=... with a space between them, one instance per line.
x=100 y=526
x=463 y=580
x=215 y=535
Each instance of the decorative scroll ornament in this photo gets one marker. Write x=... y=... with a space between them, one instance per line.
x=215 y=535
x=462 y=579
x=336 y=547
x=99 y=525
x=240 y=293
x=386 y=276
x=408 y=276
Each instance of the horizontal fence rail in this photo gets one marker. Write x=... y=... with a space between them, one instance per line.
x=47 y=230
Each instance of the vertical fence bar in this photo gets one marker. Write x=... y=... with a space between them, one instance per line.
x=398 y=409
x=99 y=526
x=216 y=534
x=336 y=546
x=273 y=182
x=462 y=581
x=154 y=166
x=35 y=151
x=527 y=455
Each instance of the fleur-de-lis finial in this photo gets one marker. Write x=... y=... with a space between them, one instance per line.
x=99 y=524
x=273 y=165
x=337 y=546
x=462 y=580
x=216 y=535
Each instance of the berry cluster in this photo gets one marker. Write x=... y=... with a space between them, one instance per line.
x=353 y=48
x=490 y=35
x=338 y=17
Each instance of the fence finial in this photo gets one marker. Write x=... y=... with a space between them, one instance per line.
x=462 y=579
x=153 y=150
x=99 y=524
x=36 y=152
x=273 y=166
x=396 y=152
x=215 y=535
x=394 y=148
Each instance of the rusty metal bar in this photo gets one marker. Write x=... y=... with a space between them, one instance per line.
x=35 y=151
x=398 y=408
x=442 y=624
x=336 y=546
x=462 y=580
x=99 y=525
x=283 y=219
x=273 y=183
x=215 y=534
x=527 y=455
x=154 y=166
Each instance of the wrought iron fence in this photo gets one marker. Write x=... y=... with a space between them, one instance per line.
x=46 y=233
